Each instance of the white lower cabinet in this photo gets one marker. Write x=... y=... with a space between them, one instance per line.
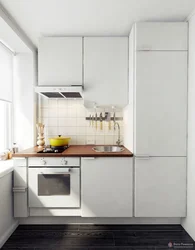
x=160 y=187
x=20 y=188
x=107 y=187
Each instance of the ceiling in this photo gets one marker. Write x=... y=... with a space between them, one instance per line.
x=11 y=39
x=91 y=17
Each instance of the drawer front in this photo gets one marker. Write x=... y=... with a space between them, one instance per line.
x=22 y=162
x=54 y=161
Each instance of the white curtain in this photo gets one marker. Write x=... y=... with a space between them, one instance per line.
x=6 y=73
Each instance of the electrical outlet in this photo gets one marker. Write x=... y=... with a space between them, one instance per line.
x=90 y=142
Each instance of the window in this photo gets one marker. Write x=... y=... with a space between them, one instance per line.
x=5 y=125
x=6 y=75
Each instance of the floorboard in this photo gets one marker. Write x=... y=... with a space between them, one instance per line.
x=102 y=237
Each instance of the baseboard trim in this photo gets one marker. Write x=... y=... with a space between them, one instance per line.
x=8 y=233
x=80 y=220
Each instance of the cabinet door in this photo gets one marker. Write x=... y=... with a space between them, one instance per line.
x=60 y=61
x=161 y=36
x=160 y=187
x=161 y=103
x=106 y=70
x=106 y=187
x=20 y=187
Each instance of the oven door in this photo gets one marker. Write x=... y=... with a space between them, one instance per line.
x=54 y=187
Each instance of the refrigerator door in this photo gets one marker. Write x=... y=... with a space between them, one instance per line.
x=161 y=103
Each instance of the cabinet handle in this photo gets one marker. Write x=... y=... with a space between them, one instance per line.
x=142 y=157
x=19 y=189
x=88 y=158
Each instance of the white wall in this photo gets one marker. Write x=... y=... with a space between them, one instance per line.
x=23 y=100
x=189 y=222
x=7 y=222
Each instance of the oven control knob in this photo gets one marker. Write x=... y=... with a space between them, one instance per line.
x=43 y=162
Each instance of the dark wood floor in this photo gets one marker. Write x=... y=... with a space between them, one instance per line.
x=103 y=237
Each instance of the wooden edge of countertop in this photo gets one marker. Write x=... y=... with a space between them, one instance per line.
x=73 y=151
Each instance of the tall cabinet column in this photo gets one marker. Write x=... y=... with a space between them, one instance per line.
x=158 y=109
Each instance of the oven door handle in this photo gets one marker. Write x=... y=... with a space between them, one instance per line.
x=64 y=172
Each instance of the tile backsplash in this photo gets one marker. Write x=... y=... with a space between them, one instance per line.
x=67 y=118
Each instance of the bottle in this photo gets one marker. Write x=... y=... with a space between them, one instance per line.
x=15 y=148
x=10 y=154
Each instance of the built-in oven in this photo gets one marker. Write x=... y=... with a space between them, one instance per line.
x=54 y=186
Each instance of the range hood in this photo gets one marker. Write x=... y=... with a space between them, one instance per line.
x=60 y=92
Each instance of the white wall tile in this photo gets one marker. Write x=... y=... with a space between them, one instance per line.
x=108 y=140
x=45 y=112
x=73 y=140
x=62 y=112
x=44 y=102
x=67 y=117
x=81 y=130
x=81 y=111
x=62 y=103
x=81 y=139
x=90 y=139
x=91 y=131
x=52 y=122
x=82 y=122
x=53 y=103
x=53 y=131
x=53 y=112
x=44 y=121
x=100 y=140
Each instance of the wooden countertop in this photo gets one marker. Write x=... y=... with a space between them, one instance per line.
x=72 y=151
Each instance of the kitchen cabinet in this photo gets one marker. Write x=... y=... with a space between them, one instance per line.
x=106 y=71
x=20 y=188
x=157 y=101
x=161 y=36
x=161 y=103
x=158 y=107
x=60 y=61
x=160 y=187
x=107 y=187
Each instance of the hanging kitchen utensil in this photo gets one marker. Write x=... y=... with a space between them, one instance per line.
x=90 y=121
x=101 y=120
x=108 y=119
x=96 y=120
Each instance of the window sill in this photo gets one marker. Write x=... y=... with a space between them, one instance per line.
x=6 y=167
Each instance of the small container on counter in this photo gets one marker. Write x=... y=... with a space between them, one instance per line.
x=10 y=154
x=15 y=148
x=4 y=156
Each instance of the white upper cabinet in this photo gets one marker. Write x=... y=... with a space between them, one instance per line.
x=160 y=187
x=106 y=71
x=161 y=36
x=107 y=187
x=60 y=61
x=160 y=115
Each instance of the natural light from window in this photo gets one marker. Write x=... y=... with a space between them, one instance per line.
x=6 y=75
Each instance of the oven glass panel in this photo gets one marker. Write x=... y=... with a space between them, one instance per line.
x=53 y=184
